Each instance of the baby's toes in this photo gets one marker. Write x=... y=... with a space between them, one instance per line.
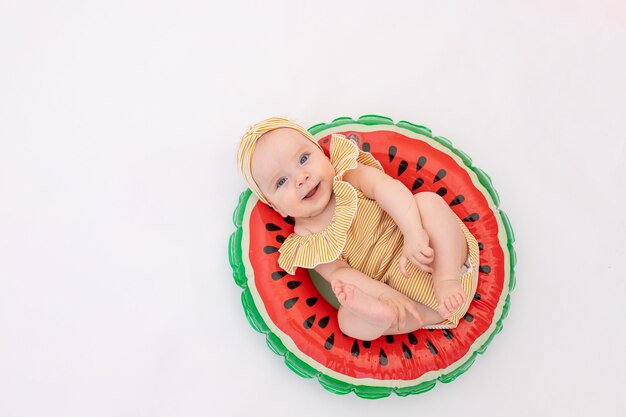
x=450 y=304
x=460 y=298
x=348 y=290
x=454 y=302
x=337 y=287
x=444 y=311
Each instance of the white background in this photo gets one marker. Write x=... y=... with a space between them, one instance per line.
x=119 y=122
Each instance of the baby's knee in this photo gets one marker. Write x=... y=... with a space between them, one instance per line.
x=427 y=198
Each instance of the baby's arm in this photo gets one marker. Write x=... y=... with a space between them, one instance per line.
x=400 y=204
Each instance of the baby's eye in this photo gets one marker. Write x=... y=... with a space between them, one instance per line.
x=304 y=158
x=280 y=181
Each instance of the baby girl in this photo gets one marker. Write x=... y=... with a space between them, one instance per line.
x=395 y=261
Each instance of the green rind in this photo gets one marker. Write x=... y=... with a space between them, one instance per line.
x=372 y=393
x=419 y=129
x=297 y=365
x=234 y=244
x=300 y=367
x=275 y=344
x=485 y=180
x=252 y=313
x=510 y=240
x=334 y=385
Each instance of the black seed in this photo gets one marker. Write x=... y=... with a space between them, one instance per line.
x=289 y=220
x=311 y=301
x=278 y=275
x=440 y=174
x=468 y=317
x=367 y=344
x=420 y=163
x=271 y=227
x=330 y=341
x=480 y=246
x=472 y=217
x=280 y=239
x=448 y=334
x=383 y=357
x=417 y=184
x=366 y=147
x=308 y=323
x=402 y=167
x=406 y=351
x=442 y=191
x=485 y=269
x=476 y=296
x=412 y=339
x=293 y=284
x=431 y=330
x=270 y=249
x=431 y=347
x=291 y=302
x=323 y=322
x=326 y=140
x=355 y=349
x=458 y=200
x=389 y=338
x=392 y=152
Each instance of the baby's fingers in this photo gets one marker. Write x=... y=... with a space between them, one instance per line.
x=427 y=251
x=426 y=254
x=423 y=260
x=420 y=265
x=402 y=266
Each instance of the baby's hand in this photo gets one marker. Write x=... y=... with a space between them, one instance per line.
x=417 y=251
x=401 y=304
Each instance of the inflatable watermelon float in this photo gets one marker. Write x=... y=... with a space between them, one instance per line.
x=301 y=325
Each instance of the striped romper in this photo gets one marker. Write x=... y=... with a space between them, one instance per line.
x=366 y=237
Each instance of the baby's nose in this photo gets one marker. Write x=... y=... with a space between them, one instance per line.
x=302 y=179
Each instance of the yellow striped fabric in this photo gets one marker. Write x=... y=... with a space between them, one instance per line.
x=367 y=238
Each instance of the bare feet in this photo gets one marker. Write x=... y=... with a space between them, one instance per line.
x=449 y=294
x=369 y=308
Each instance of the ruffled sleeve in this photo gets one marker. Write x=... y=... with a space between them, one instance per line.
x=344 y=155
x=327 y=245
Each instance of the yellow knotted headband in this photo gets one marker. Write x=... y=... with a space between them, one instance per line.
x=248 y=144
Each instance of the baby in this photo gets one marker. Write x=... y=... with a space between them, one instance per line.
x=395 y=261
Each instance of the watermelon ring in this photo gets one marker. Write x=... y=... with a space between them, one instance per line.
x=302 y=326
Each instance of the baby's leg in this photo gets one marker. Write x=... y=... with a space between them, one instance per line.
x=361 y=315
x=428 y=315
x=366 y=317
x=448 y=242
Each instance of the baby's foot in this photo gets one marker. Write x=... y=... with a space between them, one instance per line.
x=366 y=306
x=449 y=294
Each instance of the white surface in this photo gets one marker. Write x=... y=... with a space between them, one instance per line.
x=119 y=123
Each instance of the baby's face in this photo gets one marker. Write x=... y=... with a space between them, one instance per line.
x=293 y=173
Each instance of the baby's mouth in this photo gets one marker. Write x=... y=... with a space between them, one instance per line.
x=312 y=192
